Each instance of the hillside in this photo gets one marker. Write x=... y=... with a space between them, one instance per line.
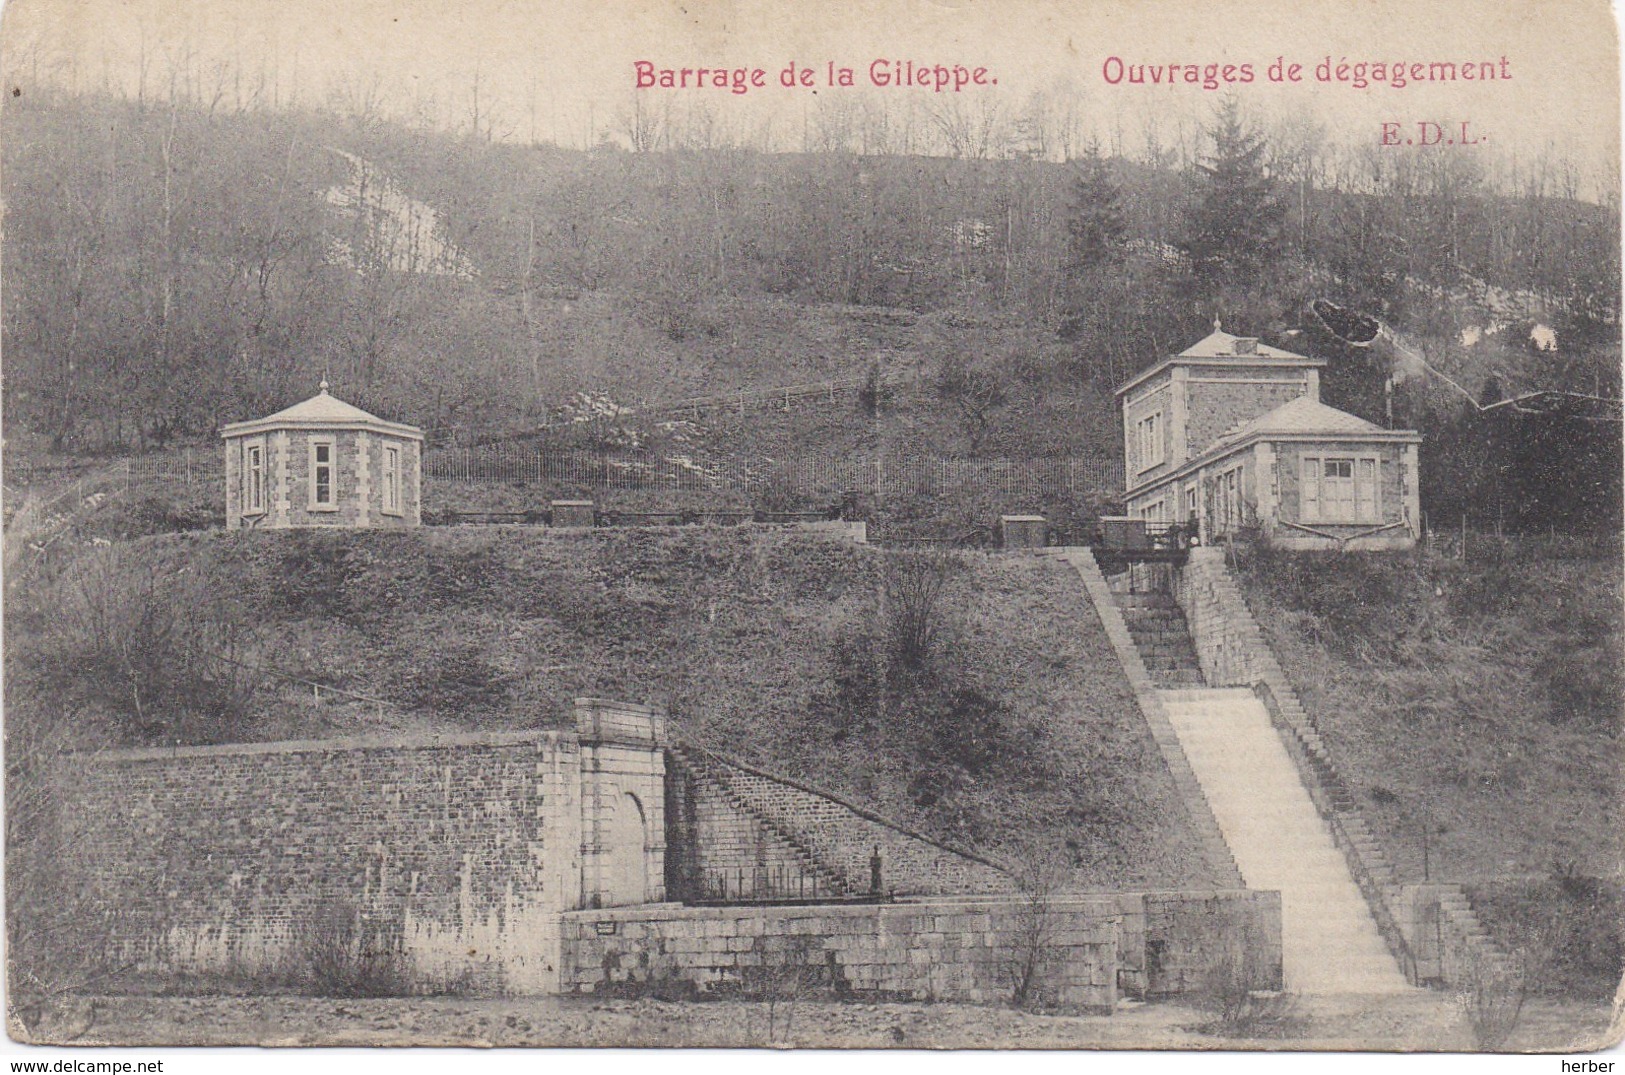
x=1477 y=706
x=1008 y=725
x=480 y=290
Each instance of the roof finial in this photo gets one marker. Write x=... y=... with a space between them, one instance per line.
x=323 y=386
x=1217 y=326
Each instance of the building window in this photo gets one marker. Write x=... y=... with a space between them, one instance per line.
x=322 y=476
x=1341 y=489
x=1149 y=433
x=254 y=478
x=392 y=480
x=1227 y=502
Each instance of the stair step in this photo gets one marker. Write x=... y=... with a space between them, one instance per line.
x=1330 y=942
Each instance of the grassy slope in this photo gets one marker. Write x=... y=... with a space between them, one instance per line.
x=1439 y=688
x=734 y=631
x=1480 y=701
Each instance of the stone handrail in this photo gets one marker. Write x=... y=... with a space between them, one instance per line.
x=710 y=756
x=1197 y=807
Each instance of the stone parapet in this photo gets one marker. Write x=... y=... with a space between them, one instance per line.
x=1197 y=807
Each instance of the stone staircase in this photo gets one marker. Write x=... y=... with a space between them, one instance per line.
x=1330 y=942
x=1157 y=626
x=733 y=854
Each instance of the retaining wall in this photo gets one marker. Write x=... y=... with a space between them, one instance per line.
x=458 y=852
x=228 y=860
x=1450 y=945
x=968 y=949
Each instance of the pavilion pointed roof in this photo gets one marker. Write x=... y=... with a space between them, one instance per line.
x=321 y=411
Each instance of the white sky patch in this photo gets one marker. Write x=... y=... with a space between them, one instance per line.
x=1543 y=337
x=1471 y=335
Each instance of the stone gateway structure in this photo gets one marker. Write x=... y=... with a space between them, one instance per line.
x=322 y=463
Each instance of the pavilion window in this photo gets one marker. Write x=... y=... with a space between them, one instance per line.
x=254 y=478
x=392 y=480
x=322 y=476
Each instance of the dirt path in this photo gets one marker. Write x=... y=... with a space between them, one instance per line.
x=1421 y=1021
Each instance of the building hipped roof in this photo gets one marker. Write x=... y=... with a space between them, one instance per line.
x=1221 y=344
x=1302 y=415
x=1223 y=349
x=321 y=411
x=1305 y=418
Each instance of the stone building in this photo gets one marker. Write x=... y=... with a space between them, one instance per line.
x=1231 y=433
x=322 y=463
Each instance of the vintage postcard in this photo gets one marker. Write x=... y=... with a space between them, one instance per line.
x=915 y=524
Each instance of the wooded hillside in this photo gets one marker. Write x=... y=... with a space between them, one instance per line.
x=173 y=266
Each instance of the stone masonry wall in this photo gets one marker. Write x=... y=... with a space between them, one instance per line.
x=1089 y=947
x=1224 y=647
x=1449 y=944
x=1176 y=943
x=1155 y=397
x=1216 y=408
x=463 y=849
x=717 y=849
x=947 y=950
x=358 y=474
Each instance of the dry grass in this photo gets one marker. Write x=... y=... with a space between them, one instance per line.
x=738 y=632
x=1476 y=708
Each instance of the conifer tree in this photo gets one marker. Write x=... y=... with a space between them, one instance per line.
x=1095 y=232
x=1234 y=229
x=1095 y=264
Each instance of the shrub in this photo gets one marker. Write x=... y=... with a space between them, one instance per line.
x=913 y=590
x=159 y=515
x=1492 y=994
x=160 y=650
x=854 y=700
x=456 y=680
x=1028 y=965
x=1239 y=1012
x=1568 y=927
x=56 y=934
x=1584 y=686
x=346 y=954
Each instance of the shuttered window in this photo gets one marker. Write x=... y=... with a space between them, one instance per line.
x=1341 y=489
x=392 y=480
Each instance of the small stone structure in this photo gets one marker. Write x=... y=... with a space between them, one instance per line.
x=322 y=462
x=1023 y=531
x=572 y=513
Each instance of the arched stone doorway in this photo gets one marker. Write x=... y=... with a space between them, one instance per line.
x=627 y=876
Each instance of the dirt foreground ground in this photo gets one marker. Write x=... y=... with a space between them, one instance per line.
x=1419 y=1021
